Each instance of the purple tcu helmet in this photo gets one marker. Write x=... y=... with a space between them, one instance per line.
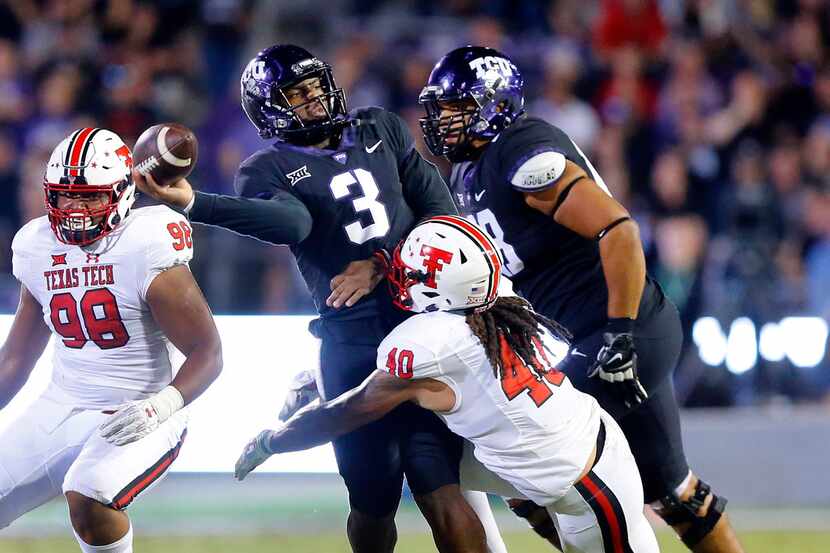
x=263 y=83
x=484 y=89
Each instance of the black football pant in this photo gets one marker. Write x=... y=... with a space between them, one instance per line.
x=652 y=428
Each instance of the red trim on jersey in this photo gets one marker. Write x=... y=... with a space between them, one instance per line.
x=485 y=242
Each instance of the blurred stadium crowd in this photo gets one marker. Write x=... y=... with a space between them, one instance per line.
x=709 y=119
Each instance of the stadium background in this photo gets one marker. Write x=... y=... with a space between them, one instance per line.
x=709 y=120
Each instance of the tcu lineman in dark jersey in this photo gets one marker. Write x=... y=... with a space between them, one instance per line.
x=575 y=253
x=336 y=187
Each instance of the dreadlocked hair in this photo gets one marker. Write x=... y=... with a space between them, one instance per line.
x=512 y=319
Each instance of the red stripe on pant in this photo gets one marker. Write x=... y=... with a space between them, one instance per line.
x=598 y=495
x=126 y=496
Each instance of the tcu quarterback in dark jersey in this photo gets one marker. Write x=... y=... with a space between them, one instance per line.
x=575 y=253
x=337 y=186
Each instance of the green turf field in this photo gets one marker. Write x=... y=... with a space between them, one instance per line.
x=755 y=542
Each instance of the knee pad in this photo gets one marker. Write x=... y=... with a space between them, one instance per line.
x=537 y=517
x=674 y=512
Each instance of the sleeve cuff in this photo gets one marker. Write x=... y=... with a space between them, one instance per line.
x=189 y=205
x=620 y=325
x=200 y=208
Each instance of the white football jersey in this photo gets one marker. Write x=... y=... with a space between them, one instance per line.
x=108 y=347
x=537 y=432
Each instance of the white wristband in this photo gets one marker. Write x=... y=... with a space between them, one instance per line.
x=167 y=402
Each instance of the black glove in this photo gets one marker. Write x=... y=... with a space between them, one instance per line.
x=617 y=362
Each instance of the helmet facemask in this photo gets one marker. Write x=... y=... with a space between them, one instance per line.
x=401 y=278
x=270 y=110
x=456 y=127
x=304 y=132
x=83 y=226
x=489 y=89
x=95 y=164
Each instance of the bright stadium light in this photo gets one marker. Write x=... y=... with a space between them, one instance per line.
x=261 y=355
x=710 y=341
x=742 y=347
x=772 y=344
x=802 y=340
x=805 y=339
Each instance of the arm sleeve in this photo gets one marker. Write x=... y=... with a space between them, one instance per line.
x=264 y=210
x=168 y=243
x=423 y=188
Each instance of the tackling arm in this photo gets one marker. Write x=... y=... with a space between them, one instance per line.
x=323 y=422
x=23 y=347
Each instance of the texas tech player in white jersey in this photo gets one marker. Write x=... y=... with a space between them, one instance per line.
x=111 y=286
x=538 y=433
x=108 y=348
x=484 y=363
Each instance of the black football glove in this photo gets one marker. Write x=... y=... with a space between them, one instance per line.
x=617 y=363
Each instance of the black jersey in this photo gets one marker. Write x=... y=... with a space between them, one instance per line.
x=556 y=269
x=344 y=203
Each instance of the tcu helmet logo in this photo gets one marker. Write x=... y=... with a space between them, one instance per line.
x=434 y=260
x=491 y=63
x=256 y=68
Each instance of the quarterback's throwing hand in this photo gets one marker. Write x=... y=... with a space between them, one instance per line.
x=178 y=194
x=617 y=363
x=254 y=454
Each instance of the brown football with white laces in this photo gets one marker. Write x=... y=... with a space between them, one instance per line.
x=167 y=152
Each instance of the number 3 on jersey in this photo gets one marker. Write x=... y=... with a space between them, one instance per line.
x=356 y=232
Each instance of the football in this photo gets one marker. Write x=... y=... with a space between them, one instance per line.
x=167 y=151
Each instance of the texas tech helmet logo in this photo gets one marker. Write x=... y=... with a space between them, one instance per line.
x=434 y=260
